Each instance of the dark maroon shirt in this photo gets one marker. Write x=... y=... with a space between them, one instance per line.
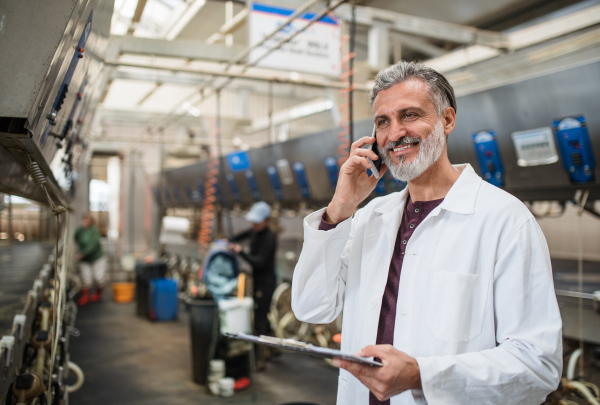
x=414 y=214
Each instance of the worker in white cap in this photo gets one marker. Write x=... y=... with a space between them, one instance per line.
x=263 y=245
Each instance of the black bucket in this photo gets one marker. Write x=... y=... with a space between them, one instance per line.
x=144 y=272
x=204 y=324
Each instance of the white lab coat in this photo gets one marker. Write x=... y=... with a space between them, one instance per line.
x=476 y=303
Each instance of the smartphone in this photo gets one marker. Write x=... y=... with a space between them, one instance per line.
x=375 y=165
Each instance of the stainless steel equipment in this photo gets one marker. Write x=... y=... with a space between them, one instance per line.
x=529 y=104
x=50 y=51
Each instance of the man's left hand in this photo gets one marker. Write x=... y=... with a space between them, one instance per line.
x=399 y=373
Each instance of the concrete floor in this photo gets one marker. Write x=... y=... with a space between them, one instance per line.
x=129 y=360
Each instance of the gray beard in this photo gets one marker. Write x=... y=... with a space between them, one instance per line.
x=430 y=150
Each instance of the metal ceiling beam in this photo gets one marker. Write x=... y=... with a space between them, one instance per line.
x=248 y=76
x=424 y=27
x=420 y=44
x=137 y=16
x=183 y=19
x=520 y=39
x=156 y=77
x=229 y=27
x=181 y=48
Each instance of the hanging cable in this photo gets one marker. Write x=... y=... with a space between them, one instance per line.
x=346 y=129
x=210 y=199
x=222 y=166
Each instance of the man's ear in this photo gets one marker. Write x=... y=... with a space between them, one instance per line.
x=448 y=120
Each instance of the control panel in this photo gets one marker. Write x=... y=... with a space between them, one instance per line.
x=275 y=183
x=64 y=87
x=488 y=156
x=575 y=148
x=302 y=180
x=69 y=124
x=177 y=195
x=235 y=192
x=167 y=195
x=192 y=197
x=200 y=188
x=333 y=170
x=252 y=184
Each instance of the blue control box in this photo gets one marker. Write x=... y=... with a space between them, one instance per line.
x=302 y=180
x=235 y=192
x=575 y=148
x=253 y=186
x=333 y=170
x=238 y=161
x=275 y=182
x=488 y=156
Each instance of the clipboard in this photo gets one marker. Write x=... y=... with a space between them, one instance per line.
x=302 y=347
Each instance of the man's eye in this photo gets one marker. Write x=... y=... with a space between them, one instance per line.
x=409 y=115
x=381 y=122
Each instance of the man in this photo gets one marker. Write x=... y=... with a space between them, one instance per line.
x=92 y=261
x=447 y=282
x=263 y=245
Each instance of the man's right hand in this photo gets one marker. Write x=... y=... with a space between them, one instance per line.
x=354 y=184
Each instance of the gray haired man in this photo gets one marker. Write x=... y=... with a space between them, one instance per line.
x=448 y=283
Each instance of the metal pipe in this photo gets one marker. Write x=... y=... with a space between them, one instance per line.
x=247 y=51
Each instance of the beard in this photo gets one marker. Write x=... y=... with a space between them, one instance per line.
x=430 y=150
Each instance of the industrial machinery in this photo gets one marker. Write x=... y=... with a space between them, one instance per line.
x=50 y=84
x=51 y=76
x=298 y=170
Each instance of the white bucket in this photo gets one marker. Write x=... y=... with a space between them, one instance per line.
x=226 y=386
x=235 y=315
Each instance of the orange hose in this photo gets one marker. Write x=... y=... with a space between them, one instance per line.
x=210 y=199
x=344 y=147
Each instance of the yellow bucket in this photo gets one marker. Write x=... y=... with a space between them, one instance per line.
x=123 y=292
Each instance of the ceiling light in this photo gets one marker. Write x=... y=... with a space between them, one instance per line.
x=190 y=109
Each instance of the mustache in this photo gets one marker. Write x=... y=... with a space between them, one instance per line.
x=405 y=140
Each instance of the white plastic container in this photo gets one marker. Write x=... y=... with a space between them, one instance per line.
x=235 y=315
x=226 y=386
x=216 y=369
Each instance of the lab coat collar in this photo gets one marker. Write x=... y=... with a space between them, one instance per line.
x=460 y=199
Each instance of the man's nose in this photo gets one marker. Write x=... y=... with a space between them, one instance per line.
x=396 y=132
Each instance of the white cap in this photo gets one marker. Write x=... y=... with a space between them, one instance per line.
x=259 y=212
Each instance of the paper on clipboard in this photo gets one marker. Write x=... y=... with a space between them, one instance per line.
x=302 y=347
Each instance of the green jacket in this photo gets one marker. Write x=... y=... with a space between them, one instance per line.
x=88 y=243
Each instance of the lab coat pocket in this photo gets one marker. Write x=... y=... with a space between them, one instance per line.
x=457 y=305
x=342 y=394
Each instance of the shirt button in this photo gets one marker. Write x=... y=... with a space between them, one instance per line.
x=412 y=226
x=416 y=210
x=404 y=242
x=372 y=304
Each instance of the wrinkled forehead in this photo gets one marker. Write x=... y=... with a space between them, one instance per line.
x=410 y=93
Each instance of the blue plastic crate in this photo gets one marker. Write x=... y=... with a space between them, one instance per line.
x=163 y=299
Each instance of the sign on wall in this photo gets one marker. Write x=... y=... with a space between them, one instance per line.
x=316 y=50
